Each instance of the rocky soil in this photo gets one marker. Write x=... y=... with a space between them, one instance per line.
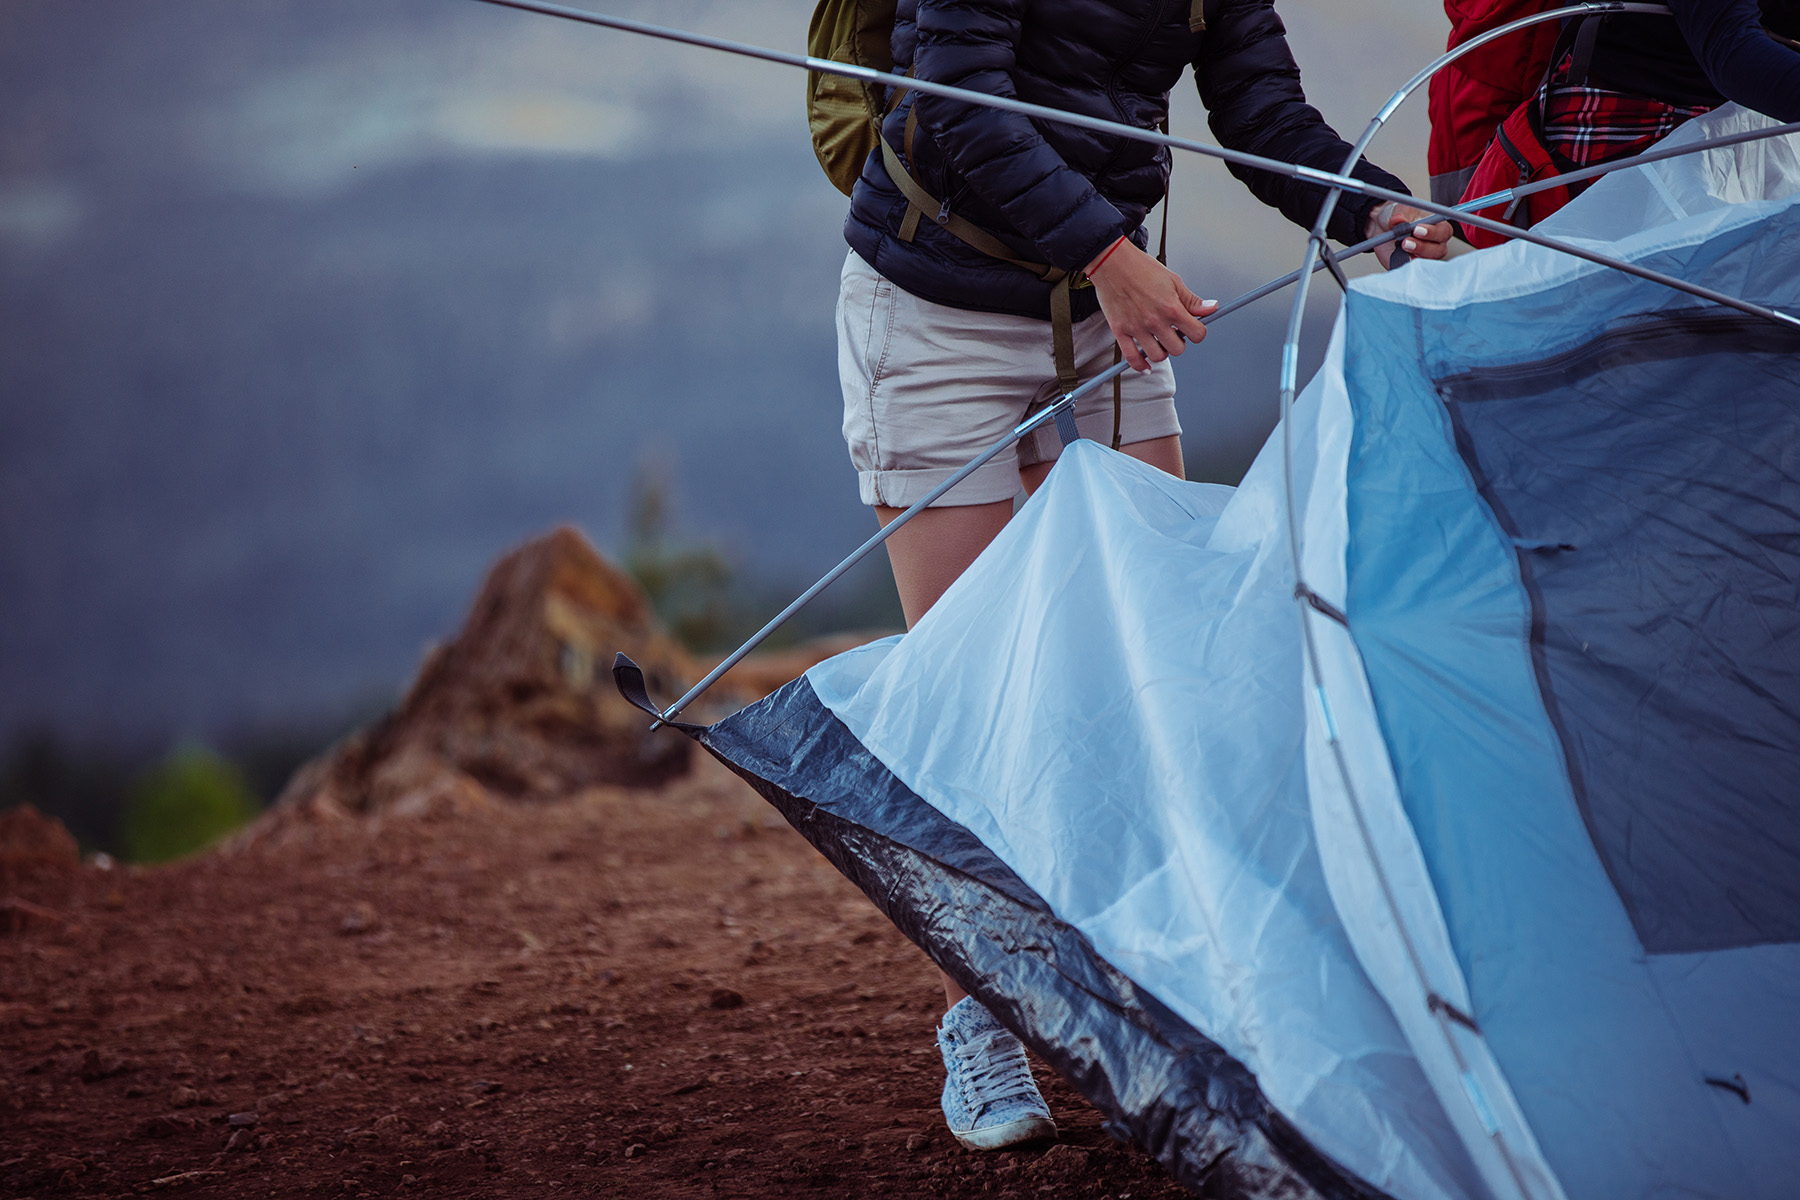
x=661 y=992
x=496 y=946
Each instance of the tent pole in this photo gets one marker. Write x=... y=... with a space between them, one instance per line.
x=1154 y=137
x=1515 y=193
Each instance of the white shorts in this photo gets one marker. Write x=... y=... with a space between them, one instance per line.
x=928 y=387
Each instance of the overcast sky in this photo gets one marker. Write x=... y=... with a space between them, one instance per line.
x=310 y=308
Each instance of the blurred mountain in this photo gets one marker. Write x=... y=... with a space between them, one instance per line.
x=308 y=308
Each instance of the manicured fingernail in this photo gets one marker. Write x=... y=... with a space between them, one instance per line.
x=1210 y=303
x=1409 y=245
x=1421 y=231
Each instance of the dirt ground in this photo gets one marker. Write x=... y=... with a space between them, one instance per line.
x=628 y=993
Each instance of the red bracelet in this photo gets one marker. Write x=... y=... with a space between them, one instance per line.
x=1105 y=256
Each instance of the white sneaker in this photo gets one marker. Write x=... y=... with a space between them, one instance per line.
x=990 y=1100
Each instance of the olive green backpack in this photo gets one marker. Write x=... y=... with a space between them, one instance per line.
x=845 y=114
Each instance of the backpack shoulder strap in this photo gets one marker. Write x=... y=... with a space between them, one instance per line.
x=921 y=202
x=1580 y=48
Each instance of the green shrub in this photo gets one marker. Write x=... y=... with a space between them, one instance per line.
x=692 y=588
x=183 y=805
x=711 y=605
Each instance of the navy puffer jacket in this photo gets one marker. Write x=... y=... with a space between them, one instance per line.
x=1058 y=194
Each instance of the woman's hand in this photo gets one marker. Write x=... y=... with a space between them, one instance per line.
x=1427 y=240
x=1146 y=305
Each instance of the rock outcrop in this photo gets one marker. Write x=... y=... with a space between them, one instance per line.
x=521 y=704
x=31 y=842
x=35 y=850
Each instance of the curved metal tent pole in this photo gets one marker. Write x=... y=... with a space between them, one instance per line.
x=1306 y=601
x=1315 y=240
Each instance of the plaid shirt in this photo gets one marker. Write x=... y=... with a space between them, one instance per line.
x=1586 y=124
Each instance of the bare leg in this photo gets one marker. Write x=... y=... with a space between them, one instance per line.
x=927 y=556
x=939 y=544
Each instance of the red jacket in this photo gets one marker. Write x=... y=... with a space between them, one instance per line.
x=1478 y=91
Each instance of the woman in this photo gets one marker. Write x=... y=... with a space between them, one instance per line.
x=1648 y=74
x=1618 y=84
x=945 y=345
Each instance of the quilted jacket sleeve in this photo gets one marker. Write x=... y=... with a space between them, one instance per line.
x=1250 y=85
x=1745 y=64
x=1003 y=157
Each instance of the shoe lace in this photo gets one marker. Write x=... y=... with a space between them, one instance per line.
x=994 y=1069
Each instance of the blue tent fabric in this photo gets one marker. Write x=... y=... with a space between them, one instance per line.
x=1684 y=775
x=1608 y=806
x=1486 y=886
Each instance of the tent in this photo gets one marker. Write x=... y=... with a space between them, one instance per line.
x=1488 y=886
